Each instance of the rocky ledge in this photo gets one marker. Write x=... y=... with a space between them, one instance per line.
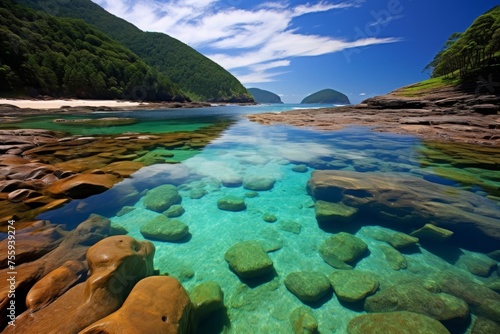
x=446 y=114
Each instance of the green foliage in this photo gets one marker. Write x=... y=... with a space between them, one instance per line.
x=471 y=52
x=67 y=57
x=264 y=96
x=198 y=76
x=426 y=86
x=327 y=96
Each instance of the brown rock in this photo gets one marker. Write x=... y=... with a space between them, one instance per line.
x=82 y=185
x=157 y=304
x=116 y=264
x=123 y=168
x=54 y=284
x=20 y=195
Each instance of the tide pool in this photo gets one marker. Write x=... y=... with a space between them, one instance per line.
x=293 y=242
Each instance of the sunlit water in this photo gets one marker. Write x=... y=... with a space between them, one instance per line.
x=245 y=149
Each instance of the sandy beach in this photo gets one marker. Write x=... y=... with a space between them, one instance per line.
x=56 y=104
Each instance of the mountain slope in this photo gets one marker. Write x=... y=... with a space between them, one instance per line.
x=198 y=76
x=264 y=96
x=327 y=96
x=68 y=58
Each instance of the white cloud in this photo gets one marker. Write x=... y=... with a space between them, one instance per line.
x=251 y=43
x=362 y=94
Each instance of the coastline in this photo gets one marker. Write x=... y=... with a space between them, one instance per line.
x=444 y=115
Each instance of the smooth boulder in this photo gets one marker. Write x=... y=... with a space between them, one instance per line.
x=164 y=229
x=248 y=259
x=308 y=286
x=162 y=197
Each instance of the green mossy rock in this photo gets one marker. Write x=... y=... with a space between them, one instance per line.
x=396 y=239
x=231 y=203
x=207 y=297
x=248 y=259
x=164 y=229
x=353 y=286
x=269 y=218
x=394 y=258
x=414 y=297
x=162 y=197
x=342 y=247
x=300 y=168
x=432 y=233
x=124 y=210
x=478 y=264
x=258 y=183
x=175 y=210
x=395 y=323
x=303 y=321
x=308 y=286
x=333 y=212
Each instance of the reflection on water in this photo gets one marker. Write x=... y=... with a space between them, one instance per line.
x=403 y=176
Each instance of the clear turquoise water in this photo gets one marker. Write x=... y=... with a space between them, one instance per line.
x=244 y=149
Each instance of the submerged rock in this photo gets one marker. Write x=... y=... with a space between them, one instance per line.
x=125 y=210
x=164 y=229
x=341 y=248
x=248 y=259
x=478 y=264
x=303 y=321
x=290 y=226
x=300 y=168
x=174 y=211
x=485 y=326
x=395 y=323
x=395 y=239
x=231 y=203
x=333 y=212
x=258 y=183
x=82 y=185
x=197 y=193
x=394 y=258
x=162 y=197
x=353 y=286
x=269 y=218
x=157 y=304
x=432 y=233
x=308 y=286
x=231 y=181
x=207 y=297
x=414 y=297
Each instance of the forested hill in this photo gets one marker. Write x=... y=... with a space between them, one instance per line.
x=473 y=53
x=198 y=76
x=264 y=96
x=64 y=57
x=327 y=96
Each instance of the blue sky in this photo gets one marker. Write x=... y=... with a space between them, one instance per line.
x=294 y=48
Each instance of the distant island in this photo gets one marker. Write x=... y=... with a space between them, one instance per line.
x=327 y=96
x=264 y=96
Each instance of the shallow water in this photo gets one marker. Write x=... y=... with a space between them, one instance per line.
x=247 y=149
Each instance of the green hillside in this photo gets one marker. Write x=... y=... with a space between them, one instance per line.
x=473 y=53
x=62 y=57
x=198 y=76
x=264 y=96
x=327 y=96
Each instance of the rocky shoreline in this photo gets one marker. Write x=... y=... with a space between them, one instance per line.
x=445 y=115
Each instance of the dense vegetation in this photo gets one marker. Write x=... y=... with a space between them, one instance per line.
x=474 y=52
x=65 y=57
x=327 y=96
x=198 y=76
x=264 y=96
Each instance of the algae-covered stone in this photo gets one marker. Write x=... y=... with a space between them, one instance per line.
x=231 y=181
x=123 y=211
x=353 y=286
x=269 y=217
x=478 y=264
x=258 y=183
x=270 y=239
x=300 y=168
x=231 y=203
x=395 y=239
x=175 y=210
x=197 y=193
x=343 y=247
x=303 y=321
x=251 y=194
x=207 y=297
x=162 y=197
x=248 y=259
x=432 y=232
x=394 y=258
x=395 y=323
x=308 y=286
x=333 y=212
x=485 y=326
x=414 y=297
x=290 y=226
x=164 y=229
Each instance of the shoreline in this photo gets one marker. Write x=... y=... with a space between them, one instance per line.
x=443 y=115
